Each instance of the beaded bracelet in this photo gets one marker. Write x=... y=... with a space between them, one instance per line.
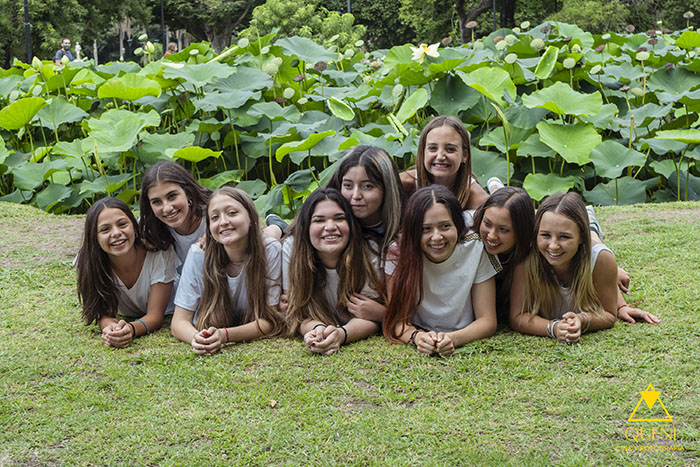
x=346 y=334
x=144 y=324
x=227 y=338
x=133 y=330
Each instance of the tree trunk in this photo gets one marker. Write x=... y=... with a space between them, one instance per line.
x=507 y=13
x=463 y=36
x=220 y=35
x=474 y=12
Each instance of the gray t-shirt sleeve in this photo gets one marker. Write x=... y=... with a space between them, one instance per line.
x=191 y=286
x=273 y=251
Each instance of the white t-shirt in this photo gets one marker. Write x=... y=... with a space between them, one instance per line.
x=332 y=280
x=159 y=266
x=447 y=286
x=191 y=287
x=184 y=242
x=564 y=305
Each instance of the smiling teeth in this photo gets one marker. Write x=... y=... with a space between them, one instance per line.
x=119 y=243
x=555 y=255
x=330 y=237
x=171 y=216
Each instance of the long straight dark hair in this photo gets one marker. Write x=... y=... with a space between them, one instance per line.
x=382 y=171
x=355 y=268
x=217 y=307
x=153 y=230
x=407 y=292
x=97 y=291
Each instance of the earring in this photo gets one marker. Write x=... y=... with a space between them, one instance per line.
x=189 y=202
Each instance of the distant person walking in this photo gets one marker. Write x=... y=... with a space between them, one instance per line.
x=172 y=48
x=64 y=51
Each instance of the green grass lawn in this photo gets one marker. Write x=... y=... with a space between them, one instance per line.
x=508 y=400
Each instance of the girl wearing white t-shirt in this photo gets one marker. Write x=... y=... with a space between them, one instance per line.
x=329 y=264
x=442 y=294
x=229 y=292
x=117 y=275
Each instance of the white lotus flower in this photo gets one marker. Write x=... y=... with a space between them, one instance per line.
x=422 y=50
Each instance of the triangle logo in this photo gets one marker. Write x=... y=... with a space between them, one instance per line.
x=650 y=397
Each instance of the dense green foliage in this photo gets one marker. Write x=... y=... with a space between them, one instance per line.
x=507 y=400
x=551 y=108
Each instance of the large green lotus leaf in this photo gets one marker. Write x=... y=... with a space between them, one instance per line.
x=683 y=136
x=73 y=149
x=52 y=195
x=221 y=179
x=60 y=111
x=229 y=100
x=449 y=59
x=117 y=130
x=676 y=81
x=487 y=164
x=18 y=196
x=105 y=184
x=667 y=167
x=610 y=158
x=496 y=137
x=195 y=153
x=573 y=142
x=546 y=64
x=412 y=104
x=340 y=109
x=87 y=76
x=154 y=146
x=693 y=186
x=399 y=55
x=644 y=115
x=4 y=152
x=197 y=75
x=491 y=82
x=451 y=95
x=661 y=146
x=306 y=49
x=561 y=99
x=603 y=119
x=117 y=69
x=300 y=180
x=255 y=188
x=541 y=185
x=9 y=84
x=129 y=87
x=575 y=32
x=522 y=117
x=688 y=40
x=304 y=145
x=31 y=175
x=628 y=191
x=20 y=112
x=533 y=147
x=274 y=111
x=244 y=79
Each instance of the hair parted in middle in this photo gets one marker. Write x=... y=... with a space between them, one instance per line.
x=463 y=182
x=355 y=268
x=153 y=230
x=382 y=171
x=97 y=290
x=217 y=307
x=407 y=292
x=542 y=291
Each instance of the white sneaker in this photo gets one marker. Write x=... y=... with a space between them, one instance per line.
x=494 y=184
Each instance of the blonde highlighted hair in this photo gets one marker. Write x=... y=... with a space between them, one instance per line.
x=542 y=290
x=217 y=307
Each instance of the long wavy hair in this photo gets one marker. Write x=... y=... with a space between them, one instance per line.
x=354 y=267
x=153 y=230
x=463 y=181
x=381 y=171
x=407 y=291
x=217 y=307
x=522 y=217
x=542 y=291
x=97 y=290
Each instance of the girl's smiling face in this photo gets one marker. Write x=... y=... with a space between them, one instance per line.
x=115 y=232
x=440 y=234
x=329 y=231
x=496 y=230
x=364 y=196
x=170 y=205
x=443 y=154
x=229 y=222
x=558 y=240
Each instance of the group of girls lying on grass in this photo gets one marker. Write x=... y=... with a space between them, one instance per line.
x=354 y=261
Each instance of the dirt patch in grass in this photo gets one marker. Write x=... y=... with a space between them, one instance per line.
x=667 y=215
x=49 y=239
